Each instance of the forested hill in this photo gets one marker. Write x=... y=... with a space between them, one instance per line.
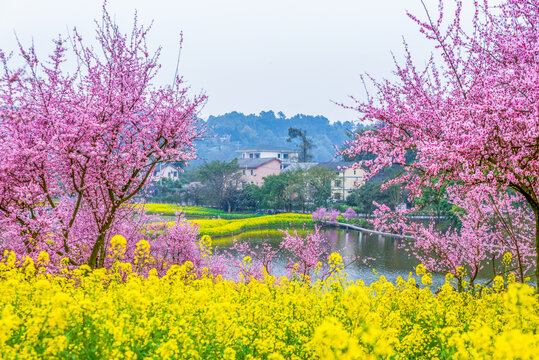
x=230 y=132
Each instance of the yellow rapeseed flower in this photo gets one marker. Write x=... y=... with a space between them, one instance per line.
x=185 y=314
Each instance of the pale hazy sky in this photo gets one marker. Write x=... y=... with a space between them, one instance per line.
x=293 y=56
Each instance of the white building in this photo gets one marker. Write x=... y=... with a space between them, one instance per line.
x=305 y=166
x=286 y=156
x=165 y=171
x=347 y=178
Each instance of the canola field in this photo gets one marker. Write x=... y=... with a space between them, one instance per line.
x=222 y=227
x=119 y=314
x=223 y=224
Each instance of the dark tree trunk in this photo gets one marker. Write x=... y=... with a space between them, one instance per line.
x=531 y=198
x=99 y=245
x=93 y=260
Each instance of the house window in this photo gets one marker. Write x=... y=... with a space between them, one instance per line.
x=354 y=172
x=278 y=156
x=175 y=174
x=338 y=173
x=285 y=156
x=337 y=183
x=251 y=156
x=243 y=155
x=257 y=155
x=244 y=172
x=252 y=172
x=337 y=196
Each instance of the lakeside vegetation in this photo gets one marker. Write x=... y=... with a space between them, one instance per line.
x=223 y=224
x=216 y=184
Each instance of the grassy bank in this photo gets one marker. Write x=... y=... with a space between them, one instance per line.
x=265 y=233
x=194 y=211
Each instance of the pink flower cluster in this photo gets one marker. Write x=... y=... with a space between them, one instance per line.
x=306 y=252
x=349 y=214
x=323 y=214
x=251 y=261
x=305 y=255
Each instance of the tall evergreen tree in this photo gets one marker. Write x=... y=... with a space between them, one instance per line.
x=305 y=146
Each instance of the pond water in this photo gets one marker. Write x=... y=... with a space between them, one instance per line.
x=389 y=257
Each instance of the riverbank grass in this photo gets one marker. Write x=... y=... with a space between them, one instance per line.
x=194 y=211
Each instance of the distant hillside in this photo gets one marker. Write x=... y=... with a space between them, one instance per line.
x=227 y=133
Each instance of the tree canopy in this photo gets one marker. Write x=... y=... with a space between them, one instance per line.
x=222 y=179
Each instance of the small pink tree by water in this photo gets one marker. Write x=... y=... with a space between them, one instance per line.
x=173 y=243
x=323 y=214
x=318 y=214
x=306 y=253
x=252 y=261
x=490 y=228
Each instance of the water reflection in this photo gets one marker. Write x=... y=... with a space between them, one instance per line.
x=387 y=254
x=379 y=252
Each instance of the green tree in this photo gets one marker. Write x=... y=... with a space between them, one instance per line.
x=298 y=190
x=192 y=193
x=305 y=146
x=250 y=197
x=319 y=180
x=222 y=180
x=275 y=192
x=167 y=190
x=364 y=196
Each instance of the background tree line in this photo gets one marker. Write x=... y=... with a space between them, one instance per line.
x=217 y=184
x=226 y=133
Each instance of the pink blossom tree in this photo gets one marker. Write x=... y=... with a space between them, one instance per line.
x=319 y=214
x=323 y=214
x=305 y=252
x=173 y=243
x=252 y=261
x=79 y=146
x=471 y=116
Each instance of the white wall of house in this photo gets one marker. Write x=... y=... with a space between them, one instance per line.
x=284 y=156
x=168 y=172
x=346 y=181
